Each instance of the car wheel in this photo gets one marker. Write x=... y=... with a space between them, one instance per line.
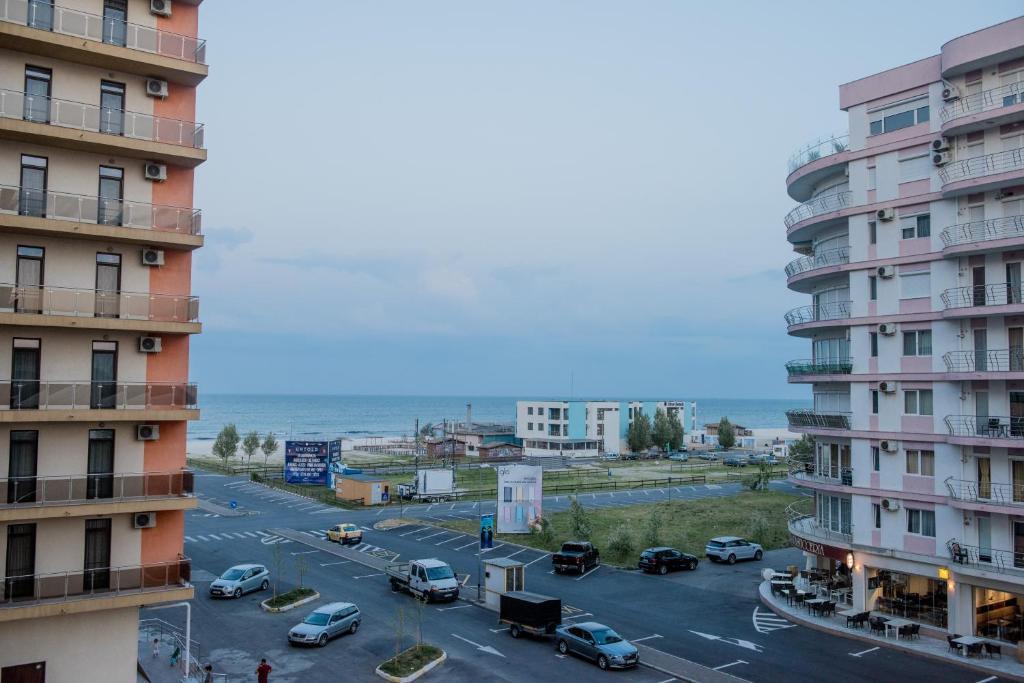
x=322 y=640
x=353 y=628
x=732 y=559
x=602 y=662
x=758 y=555
x=394 y=587
x=693 y=565
x=663 y=570
x=265 y=585
x=514 y=631
x=558 y=570
x=563 y=647
x=238 y=592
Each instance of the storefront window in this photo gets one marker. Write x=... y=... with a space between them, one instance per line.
x=998 y=615
x=909 y=596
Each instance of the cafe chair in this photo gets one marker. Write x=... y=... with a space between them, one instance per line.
x=993 y=649
x=877 y=625
x=953 y=647
x=974 y=649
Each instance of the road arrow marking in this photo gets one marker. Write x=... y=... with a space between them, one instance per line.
x=483 y=648
x=746 y=644
x=863 y=652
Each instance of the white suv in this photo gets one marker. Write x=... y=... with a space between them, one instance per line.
x=732 y=548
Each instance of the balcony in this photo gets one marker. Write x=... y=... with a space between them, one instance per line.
x=987 y=493
x=828 y=366
x=51 y=121
x=814 y=162
x=91 y=308
x=985 y=427
x=829 y=257
x=809 y=472
x=992 y=360
x=984 y=558
x=986 y=172
x=83 y=495
x=818 y=313
x=111 y=44
x=824 y=204
x=814 y=419
x=982 y=232
x=804 y=525
x=30 y=400
x=987 y=108
x=85 y=590
x=963 y=301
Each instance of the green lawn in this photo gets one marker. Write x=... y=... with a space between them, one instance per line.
x=294 y=595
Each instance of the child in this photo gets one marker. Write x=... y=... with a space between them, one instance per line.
x=156 y=648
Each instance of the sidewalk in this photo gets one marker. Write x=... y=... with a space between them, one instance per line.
x=925 y=646
x=159 y=669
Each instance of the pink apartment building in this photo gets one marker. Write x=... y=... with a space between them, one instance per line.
x=912 y=234
x=98 y=148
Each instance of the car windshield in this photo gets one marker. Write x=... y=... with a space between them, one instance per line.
x=232 y=574
x=317 y=619
x=606 y=637
x=438 y=573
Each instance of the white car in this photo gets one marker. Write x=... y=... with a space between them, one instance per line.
x=241 y=579
x=732 y=548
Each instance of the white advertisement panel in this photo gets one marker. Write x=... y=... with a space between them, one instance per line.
x=520 y=494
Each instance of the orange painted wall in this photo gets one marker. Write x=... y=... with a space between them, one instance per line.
x=184 y=19
x=165 y=541
x=168 y=452
x=171 y=364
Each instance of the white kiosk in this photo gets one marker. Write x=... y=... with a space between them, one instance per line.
x=502 y=575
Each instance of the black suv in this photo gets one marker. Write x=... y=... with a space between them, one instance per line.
x=664 y=560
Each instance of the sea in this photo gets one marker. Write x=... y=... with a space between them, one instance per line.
x=318 y=417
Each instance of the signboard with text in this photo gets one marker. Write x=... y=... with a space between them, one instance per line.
x=520 y=494
x=309 y=462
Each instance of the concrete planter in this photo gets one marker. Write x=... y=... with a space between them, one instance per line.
x=299 y=603
x=414 y=675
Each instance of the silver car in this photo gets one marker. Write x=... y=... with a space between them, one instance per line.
x=598 y=643
x=732 y=548
x=240 y=579
x=326 y=622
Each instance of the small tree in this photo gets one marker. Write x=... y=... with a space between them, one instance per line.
x=250 y=444
x=269 y=446
x=726 y=434
x=620 y=542
x=427 y=429
x=678 y=434
x=803 y=450
x=542 y=529
x=638 y=436
x=226 y=445
x=662 y=432
x=277 y=561
x=301 y=566
x=580 y=520
x=652 y=529
x=760 y=479
x=399 y=630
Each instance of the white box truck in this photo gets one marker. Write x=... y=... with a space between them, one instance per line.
x=433 y=486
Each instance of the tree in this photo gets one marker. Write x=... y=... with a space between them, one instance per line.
x=226 y=445
x=269 y=446
x=652 y=529
x=250 y=444
x=759 y=480
x=579 y=520
x=427 y=429
x=638 y=436
x=803 y=450
x=726 y=434
x=662 y=433
x=301 y=566
x=677 y=431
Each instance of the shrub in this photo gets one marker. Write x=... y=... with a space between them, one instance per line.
x=620 y=543
x=582 y=529
x=652 y=529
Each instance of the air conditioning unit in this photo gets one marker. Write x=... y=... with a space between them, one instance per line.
x=147 y=432
x=888 y=329
x=886 y=214
x=161 y=8
x=888 y=446
x=887 y=387
x=886 y=271
x=152 y=257
x=144 y=520
x=950 y=92
x=150 y=344
x=155 y=171
x=942 y=158
x=940 y=144
x=890 y=504
x=156 y=87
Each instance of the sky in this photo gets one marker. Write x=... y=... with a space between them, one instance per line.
x=519 y=198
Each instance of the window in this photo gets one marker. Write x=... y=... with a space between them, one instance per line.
x=115 y=28
x=915 y=285
x=901 y=116
x=917 y=168
x=874 y=401
x=529 y=410
x=529 y=426
x=872 y=182
x=917 y=402
x=918 y=226
x=872 y=288
x=874 y=344
x=872 y=231
x=111 y=108
x=921 y=522
x=876 y=514
x=917 y=343
x=32 y=199
x=37 y=94
x=876 y=464
x=921 y=462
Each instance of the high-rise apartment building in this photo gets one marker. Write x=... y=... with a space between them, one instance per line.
x=912 y=234
x=98 y=148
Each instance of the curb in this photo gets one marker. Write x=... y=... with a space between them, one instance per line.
x=275 y=610
x=413 y=676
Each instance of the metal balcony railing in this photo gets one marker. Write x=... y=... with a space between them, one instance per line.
x=822 y=147
x=63 y=206
x=1000 y=294
x=826 y=203
x=828 y=257
x=834 y=310
x=983 y=231
x=827 y=366
x=996 y=98
x=93 y=303
x=36 y=395
x=94 y=488
x=985 y=426
x=809 y=471
x=984 y=558
x=801 y=521
x=978 y=167
x=818 y=419
x=104 y=582
x=48 y=17
x=991 y=360
x=986 y=492
x=15 y=104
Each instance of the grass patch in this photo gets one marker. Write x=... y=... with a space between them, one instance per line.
x=621 y=533
x=285 y=599
x=411 y=661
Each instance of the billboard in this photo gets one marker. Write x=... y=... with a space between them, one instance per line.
x=520 y=493
x=309 y=462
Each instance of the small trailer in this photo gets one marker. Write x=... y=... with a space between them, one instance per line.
x=430 y=486
x=538 y=615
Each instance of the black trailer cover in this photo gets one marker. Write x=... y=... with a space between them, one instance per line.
x=531 y=609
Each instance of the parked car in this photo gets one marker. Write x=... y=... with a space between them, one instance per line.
x=735 y=461
x=732 y=548
x=325 y=623
x=598 y=643
x=766 y=458
x=538 y=615
x=708 y=455
x=679 y=457
x=240 y=579
x=345 y=533
x=630 y=456
x=663 y=560
x=576 y=556
x=425 y=579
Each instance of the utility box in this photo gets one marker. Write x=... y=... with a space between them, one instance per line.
x=502 y=575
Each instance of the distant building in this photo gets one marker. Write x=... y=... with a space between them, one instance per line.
x=585 y=429
x=498 y=450
x=442 y=447
x=362 y=488
x=711 y=429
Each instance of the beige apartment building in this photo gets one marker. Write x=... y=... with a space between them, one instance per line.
x=98 y=148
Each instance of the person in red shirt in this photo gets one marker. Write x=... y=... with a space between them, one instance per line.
x=263 y=672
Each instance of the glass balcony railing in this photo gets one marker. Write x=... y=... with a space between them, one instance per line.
x=986 y=492
x=37 y=395
x=114 y=487
x=820 y=259
x=808 y=471
x=46 y=16
x=985 y=426
x=93 y=303
x=801 y=522
x=1000 y=294
x=987 y=100
x=826 y=203
x=834 y=310
x=825 y=366
x=80 y=116
x=105 y=582
x=985 y=165
x=818 y=419
x=989 y=360
x=820 y=148
x=1007 y=227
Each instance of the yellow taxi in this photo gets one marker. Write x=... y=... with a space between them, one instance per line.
x=345 y=533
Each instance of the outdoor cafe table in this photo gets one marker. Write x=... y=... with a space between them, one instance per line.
x=849 y=612
x=816 y=601
x=895 y=625
x=964 y=641
x=792 y=593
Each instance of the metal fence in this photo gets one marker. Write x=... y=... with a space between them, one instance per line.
x=999 y=294
x=985 y=426
x=821 y=259
x=19 y=591
x=818 y=149
x=94 y=488
x=976 y=167
x=990 y=360
x=94 y=303
x=833 y=310
x=810 y=366
x=996 y=98
x=826 y=203
x=819 y=420
x=982 y=231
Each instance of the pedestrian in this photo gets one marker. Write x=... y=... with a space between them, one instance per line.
x=208 y=676
x=156 y=648
x=175 y=655
x=263 y=672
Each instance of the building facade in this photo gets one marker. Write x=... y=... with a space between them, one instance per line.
x=98 y=148
x=911 y=230
x=586 y=429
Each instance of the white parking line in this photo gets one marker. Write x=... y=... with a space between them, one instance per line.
x=423 y=538
x=583 y=576
x=305 y=552
x=639 y=640
x=738 y=661
x=577 y=616
x=331 y=564
x=537 y=560
x=215 y=537
x=987 y=680
x=251 y=534
x=863 y=652
x=517 y=552
x=366 y=576
x=263 y=533
x=190 y=539
x=448 y=540
x=445 y=609
x=413 y=530
x=202 y=538
x=475 y=542
x=668 y=680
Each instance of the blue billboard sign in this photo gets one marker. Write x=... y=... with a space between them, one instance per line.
x=306 y=462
